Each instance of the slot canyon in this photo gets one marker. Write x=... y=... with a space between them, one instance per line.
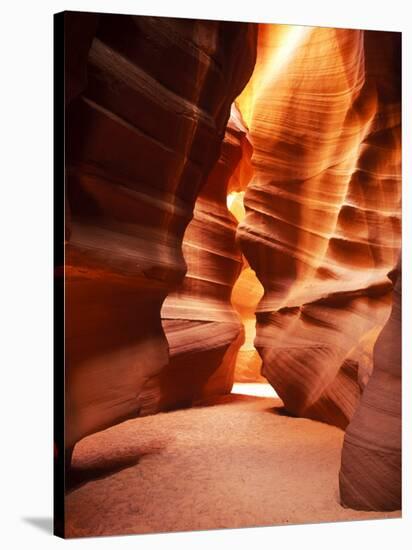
x=233 y=220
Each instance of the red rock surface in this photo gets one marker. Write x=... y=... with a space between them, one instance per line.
x=158 y=296
x=246 y=295
x=247 y=290
x=203 y=330
x=322 y=229
x=370 y=474
x=142 y=136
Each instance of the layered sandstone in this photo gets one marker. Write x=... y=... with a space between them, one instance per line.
x=151 y=159
x=322 y=225
x=203 y=330
x=148 y=103
x=371 y=466
x=246 y=295
x=247 y=290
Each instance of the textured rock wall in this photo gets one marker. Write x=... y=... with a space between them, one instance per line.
x=247 y=290
x=203 y=330
x=371 y=468
x=147 y=110
x=246 y=295
x=322 y=229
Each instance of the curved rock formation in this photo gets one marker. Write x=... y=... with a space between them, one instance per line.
x=203 y=330
x=371 y=468
x=142 y=136
x=247 y=291
x=246 y=295
x=322 y=229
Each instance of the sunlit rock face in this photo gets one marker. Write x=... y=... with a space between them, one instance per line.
x=203 y=330
x=247 y=291
x=246 y=295
x=322 y=225
x=370 y=475
x=148 y=105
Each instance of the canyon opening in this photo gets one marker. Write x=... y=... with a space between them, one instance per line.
x=232 y=275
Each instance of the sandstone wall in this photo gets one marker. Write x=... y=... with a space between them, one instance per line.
x=322 y=225
x=203 y=330
x=147 y=111
x=371 y=470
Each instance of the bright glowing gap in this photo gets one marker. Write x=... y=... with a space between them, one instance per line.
x=259 y=390
x=234 y=203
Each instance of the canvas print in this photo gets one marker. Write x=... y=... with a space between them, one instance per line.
x=228 y=274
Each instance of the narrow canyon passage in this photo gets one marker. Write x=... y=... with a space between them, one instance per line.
x=234 y=231
x=234 y=461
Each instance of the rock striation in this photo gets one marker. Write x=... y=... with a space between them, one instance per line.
x=148 y=100
x=203 y=330
x=370 y=477
x=247 y=291
x=246 y=295
x=163 y=284
x=322 y=225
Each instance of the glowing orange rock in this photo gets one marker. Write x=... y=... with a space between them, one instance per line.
x=203 y=330
x=246 y=295
x=149 y=103
x=322 y=225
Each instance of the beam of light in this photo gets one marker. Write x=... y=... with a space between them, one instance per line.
x=293 y=36
x=270 y=63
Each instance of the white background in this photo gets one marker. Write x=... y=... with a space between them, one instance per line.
x=26 y=270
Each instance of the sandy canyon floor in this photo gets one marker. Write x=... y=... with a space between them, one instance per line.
x=236 y=461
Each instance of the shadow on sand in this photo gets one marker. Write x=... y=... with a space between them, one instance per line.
x=79 y=476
